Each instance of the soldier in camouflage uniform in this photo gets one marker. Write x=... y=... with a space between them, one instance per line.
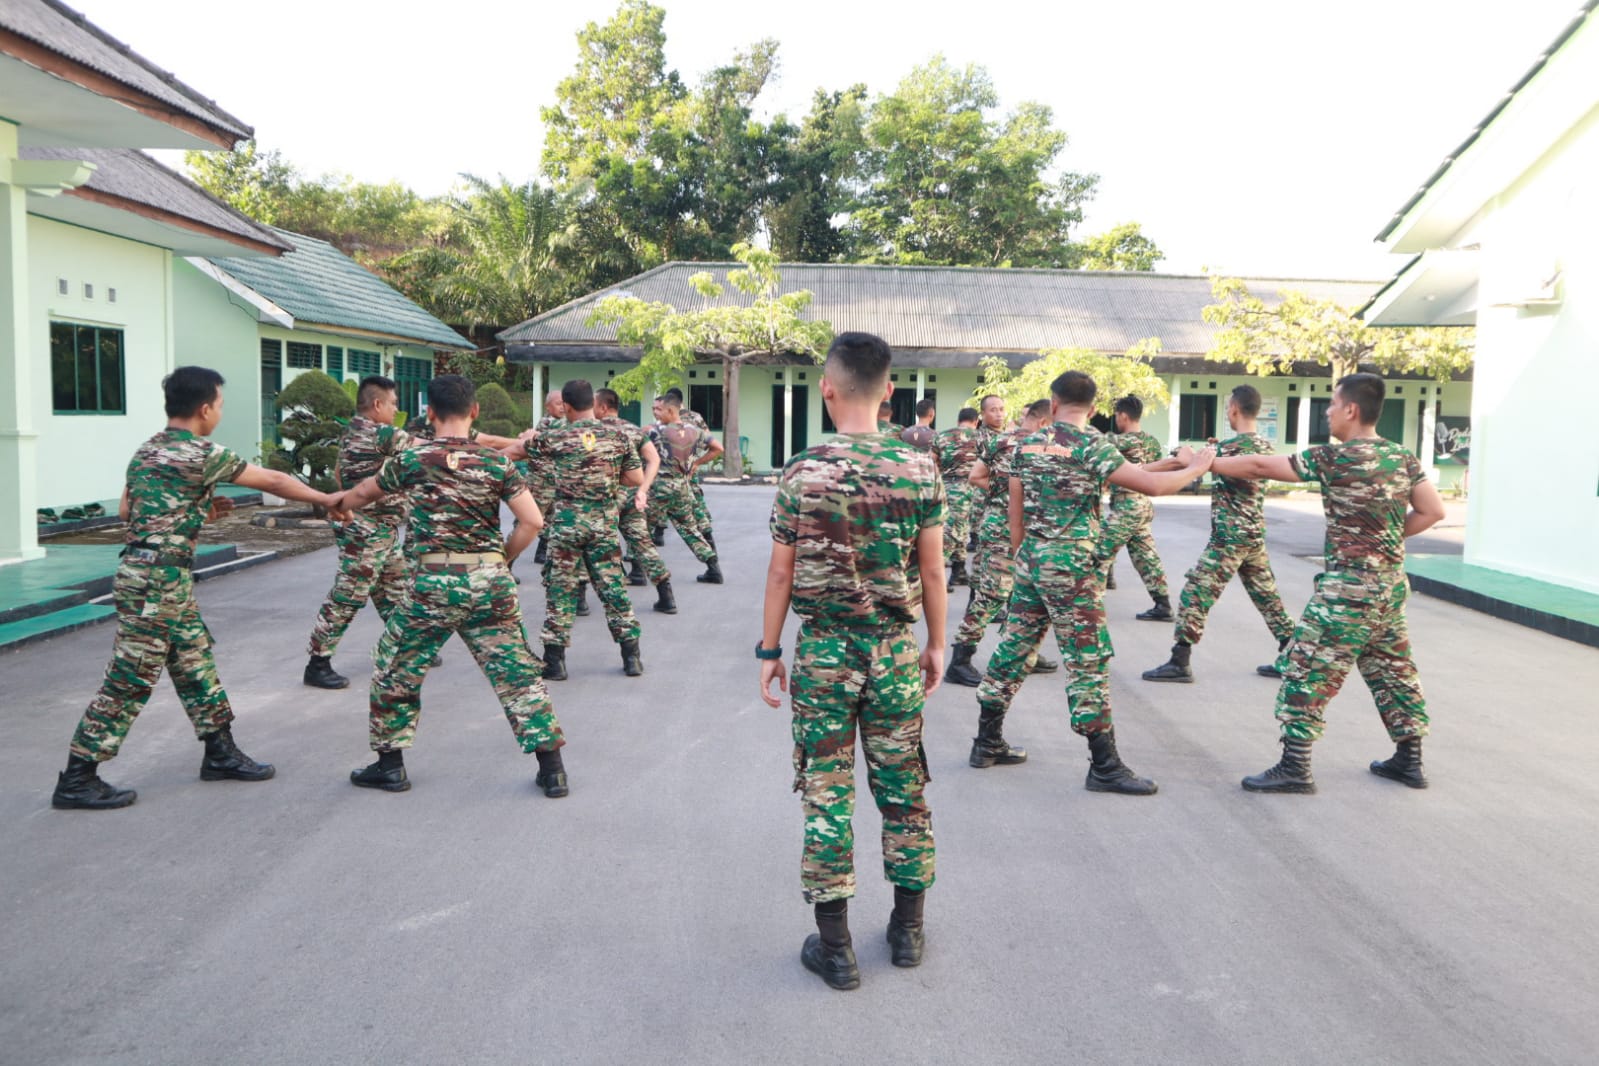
x=171 y=480
x=921 y=434
x=993 y=563
x=956 y=453
x=1056 y=480
x=1375 y=495
x=1237 y=545
x=589 y=463
x=683 y=450
x=633 y=503
x=371 y=560
x=702 y=510
x=539 y=480
x=885 y=420
x=462 y=584
x=856 y=551
x=1132 y=515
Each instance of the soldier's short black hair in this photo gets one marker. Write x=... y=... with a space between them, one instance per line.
x=885 y=410
x=1074 y=388
x=925 y=407
x=608 y=398
x=451 y=396
x=190 y=388
x=1037 y=410
x=1131 y=406
x=578 y=395
x=666 y=399
x=984 y=401
x=967 y=414
x=372 y=386
x=1247 y=399
x=674 y=393
x=1365 y=391
x=864 y=358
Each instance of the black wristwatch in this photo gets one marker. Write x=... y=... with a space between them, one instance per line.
x=768 y=653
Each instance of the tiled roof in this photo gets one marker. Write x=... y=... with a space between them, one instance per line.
x=132 y=175
x=318 y=284
x=64 y=31
x=990 y=310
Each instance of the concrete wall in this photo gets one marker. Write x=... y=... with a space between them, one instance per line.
x=82 y=458
x=213 y=328
x=1535 y=455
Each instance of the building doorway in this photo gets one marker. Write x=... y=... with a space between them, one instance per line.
x=802 y=421
x=271 y=386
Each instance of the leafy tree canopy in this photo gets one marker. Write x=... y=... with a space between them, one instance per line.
x=1116 y=375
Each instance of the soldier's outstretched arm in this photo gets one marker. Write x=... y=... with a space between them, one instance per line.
x=1426 y=508
x=497 y=442
x=979 y=475
x=280 y=484
x=125 y=507
x=1256 y=467
x=1132 y=476
x=1013 y=515
x=935 y=604
x=529 y=521
x=779 y=593
x=652 y=466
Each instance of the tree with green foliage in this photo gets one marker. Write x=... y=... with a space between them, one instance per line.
x=498 y=413
x=1122 y=247
x=254 y=182
x=819 y=175
x=1271 y=338
x=728 y=332
x=315 y=411
x=951 y=185
x=1130 y=374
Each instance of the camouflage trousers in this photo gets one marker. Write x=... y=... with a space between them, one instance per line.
x=1128 y=526
x=480 y=603
x=991 y=574
x=158 y=625
x=1203 y=585
x=579 y=550
x=957 y=521
x=372 y=565
x=1355 y=618
x=702 y=510
x=672 y=500
x=635 y=528
x=864 y=680
x=1056 y=585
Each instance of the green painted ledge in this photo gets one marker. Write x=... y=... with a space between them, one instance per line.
x=1554 y=609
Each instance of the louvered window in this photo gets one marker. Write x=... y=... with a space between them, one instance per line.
x=305 y=356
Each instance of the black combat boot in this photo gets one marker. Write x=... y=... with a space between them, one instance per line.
x=1291 y=774
x=989 y=746
x=1042 y=665
x=635 y=574
x=828 y=952
x=79 y=787
x=710 y=537
x=1270 y=669
x=905 y=936
x=957 y=573
x=1161 y=612
x=1107 y=772
x=1176 y=668
x=658 y=536
x=583 y=600
x=961 y=671
x=632 y=662
x=554 y=662
x=319 y=673
x=552 y=774
x=388 y=773
x=1404 y=765
x=225 y=762
x=1110 y=578
x=541 y=553
x=712 y=575
x=665 y=602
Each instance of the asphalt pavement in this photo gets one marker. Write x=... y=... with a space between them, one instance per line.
x=655 y=916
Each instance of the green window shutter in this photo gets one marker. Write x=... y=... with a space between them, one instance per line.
x=336 y=363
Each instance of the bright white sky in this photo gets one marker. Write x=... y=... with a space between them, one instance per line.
x=1252 y=137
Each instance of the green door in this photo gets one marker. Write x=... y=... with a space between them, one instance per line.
x=411 y=377
x=1391 y=423
x=271 y=385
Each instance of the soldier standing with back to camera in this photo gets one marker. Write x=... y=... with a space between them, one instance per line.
x=633 y=502
x=171 y=481
x=1131 y=518
x=462 y=584
x=539 y=481
x=956 y=453
x=921 y=434
x=856 y=530
x=1375 y=495
x=683 y=449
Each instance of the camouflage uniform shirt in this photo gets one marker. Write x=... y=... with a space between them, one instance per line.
x=1365 y=491
x=853 y=508
x=956 y=452
x=996 y=454
x=459 y=513
x=679 y=444
x=1063 y=470
x=171 y=479
x=1136 y=447
x=1238 y=505
x=586 y=460
x=362 y=451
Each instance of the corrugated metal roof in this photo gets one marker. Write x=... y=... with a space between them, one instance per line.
x=132 y=175
x=67 y=33
x=965 y=308
x=317 y=283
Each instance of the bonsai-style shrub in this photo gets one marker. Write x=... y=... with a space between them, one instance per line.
x=315 y=411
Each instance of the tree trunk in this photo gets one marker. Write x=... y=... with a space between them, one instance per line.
x=732 y=458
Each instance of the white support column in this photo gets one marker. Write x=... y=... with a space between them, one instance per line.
x=1429 y=430
x=921 y=384
x=1303 y=434
x=538 y=392
x=1172 y=438
x=19 y=474
x=788 y=418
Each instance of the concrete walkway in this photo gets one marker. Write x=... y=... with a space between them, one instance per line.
x=654 y=915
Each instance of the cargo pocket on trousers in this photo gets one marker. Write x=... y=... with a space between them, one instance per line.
x=800 y=762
